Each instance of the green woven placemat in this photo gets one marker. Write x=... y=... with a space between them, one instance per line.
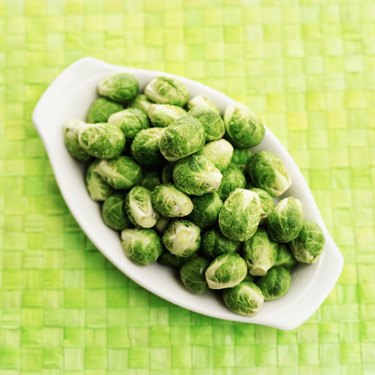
x=306 y=66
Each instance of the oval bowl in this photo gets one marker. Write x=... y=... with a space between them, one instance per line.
x=69 y=96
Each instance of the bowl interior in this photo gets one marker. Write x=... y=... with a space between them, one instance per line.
x=70 y=97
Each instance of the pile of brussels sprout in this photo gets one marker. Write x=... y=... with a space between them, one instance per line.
x=181 y=184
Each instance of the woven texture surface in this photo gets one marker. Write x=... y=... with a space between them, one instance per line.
x=307 y=66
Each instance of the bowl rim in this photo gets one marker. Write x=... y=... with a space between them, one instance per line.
x=330 y=264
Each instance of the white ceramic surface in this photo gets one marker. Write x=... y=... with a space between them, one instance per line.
x=68 y=97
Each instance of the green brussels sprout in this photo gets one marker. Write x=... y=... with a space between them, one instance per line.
x=113 y=212
x=98 y=189
x=275 y=283
x=219 y=152
x=166 y=90
x=245 y=298
x=285 y=258
x=120 y=173
x=103 y=141
x=215 y=244
x=285 y=220
x=240 y=215
x=206 y=210
x=167 y=173
x=260 y=253
x=162 y=223
x=309 y=243
x=192 y=274
x=170 y=260
x=120 y=87
x=184 y=137
x=211 y=120
x=101 y=109
x=141 y=246
x=266 y=202
x=241 y=158
x=182 y=238
x=268 y=172
x=242 y=127
x=196 y=175
x=140 y=102
x=71 y=131
x=162 y=115
x=226 y=271
x=171 y=202
x=131 y=121
x=145 y=147
x=139 y=208
x=201 y=101
x=232 y=179
x=150 y=180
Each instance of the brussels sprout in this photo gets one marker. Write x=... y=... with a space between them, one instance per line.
x=139 y=208
x=171 y=202
x=192 y=275
x=240 y=215
x=162 y=223
x=285 y=220
x=268 y=172
x=145 y=147
x=202 y=101
x=196 y=175
x=103 y=141
x=170 y=260
x=232 y=179
x=215 y=244
x=120 y=87
x=162 y=115
x=101 y=109
x=226 y=271
x=98 y=189
x=71 y=131
x=242 y=127
x=206 y=210
x=211 y=120
x=245 y=298
x=166 y=90
x=184 y=137
x=141 y=102
x=182 y=238
x=131 y=121
x=267 y=204
x=150 y=180
x=309 y=243
x=219 y=152
x=167 y=173
x=241 y=158
x=141 y=246
x=285 y=258
x=120 y=173
x=275 y=283
x=260 y=253
x=113 y=212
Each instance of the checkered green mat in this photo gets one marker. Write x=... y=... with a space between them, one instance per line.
x=307 y=66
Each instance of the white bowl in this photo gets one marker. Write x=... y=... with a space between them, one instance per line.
x=69 y=96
